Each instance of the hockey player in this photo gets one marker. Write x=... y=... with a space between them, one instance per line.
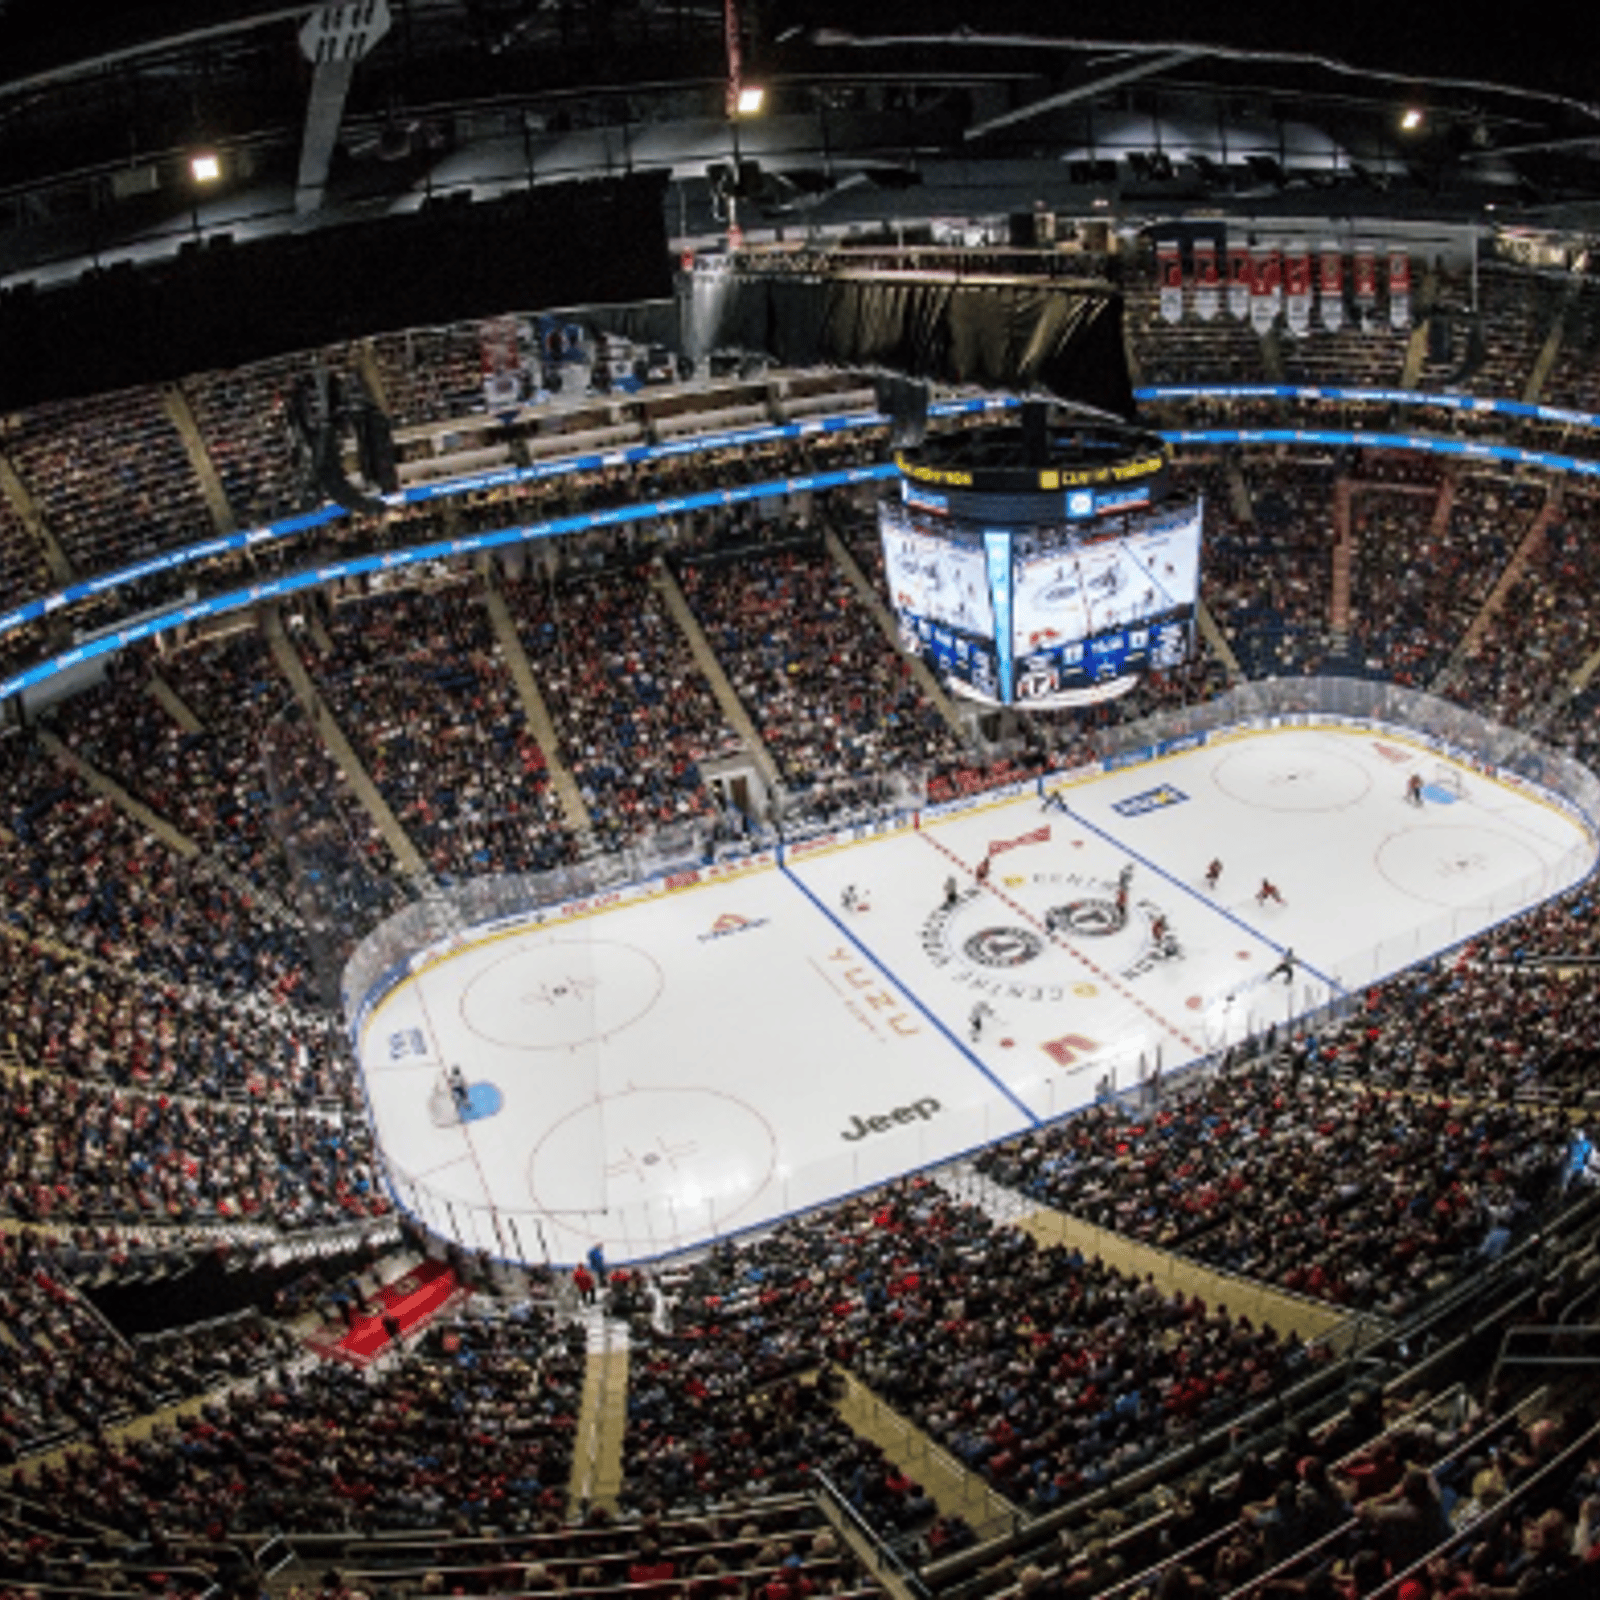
x=1124 y=881
x=1268 y=891
x=1213 y=873
x=1285 y=967
x=1414 y=789
x=981 y=1013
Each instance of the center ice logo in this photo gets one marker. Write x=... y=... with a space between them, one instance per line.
x=1002 y=947
x=974 y=959
x=1093 y=919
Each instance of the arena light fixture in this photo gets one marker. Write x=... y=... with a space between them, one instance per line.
x=750 y=100
x=205 y=166
x=1411 y=119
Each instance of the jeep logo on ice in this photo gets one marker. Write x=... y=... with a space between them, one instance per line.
x=917 y=1111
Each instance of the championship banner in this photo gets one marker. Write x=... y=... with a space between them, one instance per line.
x=1399 y=289
x=1206 y=296
x=1169 y=273
x=1330 y=287
x=1240 y=278
x=1364 y=270
x=1038 y=836
x=1266 y=289
x=1297 y=289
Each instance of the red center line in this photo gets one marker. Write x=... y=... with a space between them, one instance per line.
x=1060 y=944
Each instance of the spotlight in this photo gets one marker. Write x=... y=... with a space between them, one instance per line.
x=205 y=167
x=1411 y=119
x=751 y=99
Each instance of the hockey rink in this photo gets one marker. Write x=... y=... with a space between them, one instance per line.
x=652 y=1068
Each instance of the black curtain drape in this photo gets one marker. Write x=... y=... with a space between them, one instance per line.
x=1023 y=337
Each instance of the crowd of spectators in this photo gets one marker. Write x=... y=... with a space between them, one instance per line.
x=829 y=695
x=475 y=1425
x=1370 y=1200
x=1047 y=1373
x=1510 y=1015
x=242 y=419
x=780 y=1548
x=22 y=568
x=635 y=716
x=64 y=1372
x=431 y=374
x=345 y=875
x=1401 y=620
x=76 y=869
x=109 y=476
x=1543 y=629
x=1488 y=517
x=114 y=472
x=1221 y=350
x=1268 y=575
x=1571 y=379
x=99 y=1023
x=1573 y=720
x=1451 y=1498
x=210 y=782
x=1365 y=352
x=176 y=1073
x=416 y=679
x=1493 y=329
x=1495 y=1507
x=77 y=1151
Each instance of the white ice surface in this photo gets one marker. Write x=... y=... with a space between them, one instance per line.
x=728 y=1052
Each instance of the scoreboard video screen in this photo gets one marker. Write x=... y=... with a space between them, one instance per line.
x=1044 y=615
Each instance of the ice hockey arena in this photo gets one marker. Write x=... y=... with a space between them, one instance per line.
x=798 y=803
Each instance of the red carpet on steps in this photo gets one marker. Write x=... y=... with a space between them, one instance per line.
x=411 y=1299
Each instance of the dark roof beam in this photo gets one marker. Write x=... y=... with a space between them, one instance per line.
x=333 y=40
x=86 y=67
x=1083 y=91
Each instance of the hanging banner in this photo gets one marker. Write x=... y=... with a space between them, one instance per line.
x=1364 y=270
x=1399 y=289
x=1297 y=288
x=1207 y=298
x=1240 y=278
x=1266 y=289
x=1169 y=273
x=1330 y=287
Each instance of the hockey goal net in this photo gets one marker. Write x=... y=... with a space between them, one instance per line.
x=1445 y=780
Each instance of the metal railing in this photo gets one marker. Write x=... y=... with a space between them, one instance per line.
x=885 y=1557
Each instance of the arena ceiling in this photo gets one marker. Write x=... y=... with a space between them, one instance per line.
x=890 y=111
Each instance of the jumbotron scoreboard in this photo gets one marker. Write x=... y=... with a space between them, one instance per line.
x=1042 y=565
